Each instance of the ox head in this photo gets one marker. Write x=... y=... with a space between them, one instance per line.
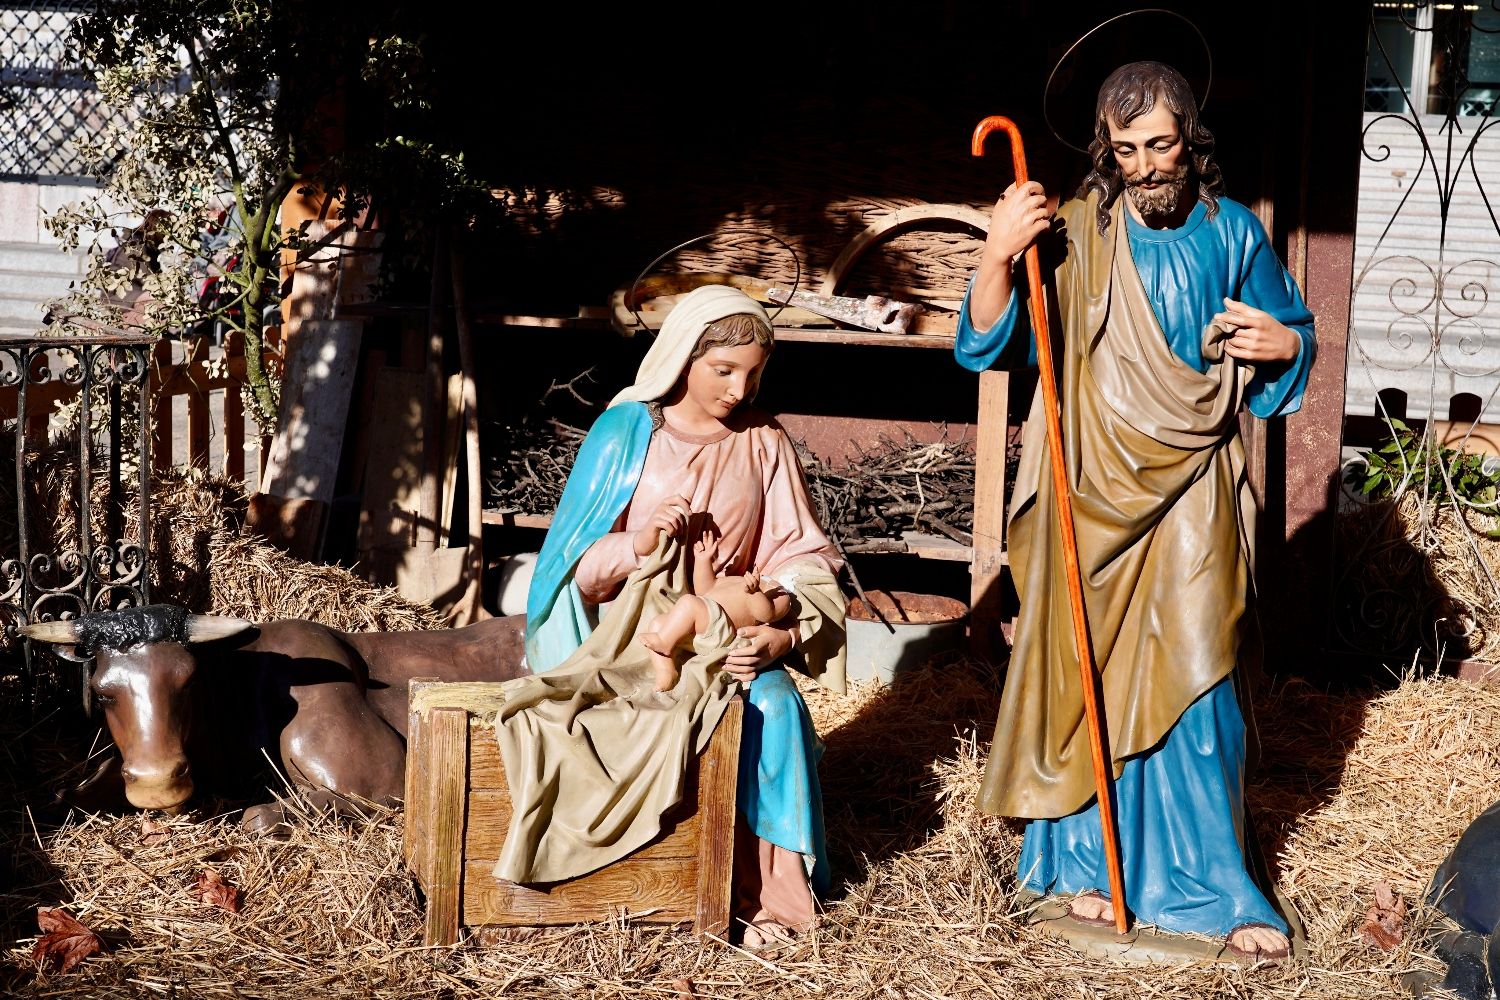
x=142 y=679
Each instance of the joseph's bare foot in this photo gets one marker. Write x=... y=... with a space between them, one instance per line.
x=1092 y=908
x=1259 y=942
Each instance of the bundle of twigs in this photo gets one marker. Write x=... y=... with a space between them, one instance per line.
x=896 y=487
x=528 y=464
x=866 y=504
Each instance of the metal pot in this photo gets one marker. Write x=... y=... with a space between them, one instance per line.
x=922 y=625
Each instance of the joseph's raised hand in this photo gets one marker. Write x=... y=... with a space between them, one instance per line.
x=1258 y=336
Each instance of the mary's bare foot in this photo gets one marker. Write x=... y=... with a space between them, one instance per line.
x=1092 y=908
x=1259 y=942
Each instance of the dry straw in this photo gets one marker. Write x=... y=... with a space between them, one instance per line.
x=1354 y=788
x=1420 y=575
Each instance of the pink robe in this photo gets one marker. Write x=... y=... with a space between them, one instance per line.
x=748 y=480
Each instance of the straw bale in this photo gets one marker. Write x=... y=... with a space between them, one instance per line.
x=1354 y=788
x=201 y=557
x=1418 y=575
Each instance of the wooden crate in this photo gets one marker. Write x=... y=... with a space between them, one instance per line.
x=458 y=810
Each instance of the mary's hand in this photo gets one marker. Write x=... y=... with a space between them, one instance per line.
x=766 y=644
x=671 y=516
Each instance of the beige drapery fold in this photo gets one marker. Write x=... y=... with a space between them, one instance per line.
x=594 y=756
x=1163 y=515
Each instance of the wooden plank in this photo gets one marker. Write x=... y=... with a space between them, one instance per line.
x=513 y=520
x=929 y=546
x=854 y=338
x=393 y=471
x=662 y=891
x=198 y=429
x=368 y=411
x=414 y=832
x=490 y=814
x=446 y=765
x=234 y=435
x=718 y=773
x=316 y=389
x=486 y=768
x=985 y=616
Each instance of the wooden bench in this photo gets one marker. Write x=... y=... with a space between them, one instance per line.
x=458 y=810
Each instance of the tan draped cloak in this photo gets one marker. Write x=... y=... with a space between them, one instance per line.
x=1164 y=519
x=593 y=755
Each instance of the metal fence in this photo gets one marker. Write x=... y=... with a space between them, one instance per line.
x=47 y=98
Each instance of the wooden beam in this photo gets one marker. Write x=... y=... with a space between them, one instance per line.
x=444 y=767
x=718 y=776
x=985 y=617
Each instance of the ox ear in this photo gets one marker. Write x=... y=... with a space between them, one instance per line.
x=207 y=628
x=63 y=633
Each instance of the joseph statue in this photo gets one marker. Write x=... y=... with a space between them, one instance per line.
x=1174 y=314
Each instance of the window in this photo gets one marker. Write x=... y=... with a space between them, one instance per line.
x=1435 y=58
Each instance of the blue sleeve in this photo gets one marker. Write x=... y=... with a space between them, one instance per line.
x=1276 y=390
x=979 y=351
x=602 y=481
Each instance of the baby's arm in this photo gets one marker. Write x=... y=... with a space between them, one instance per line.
x=768 y=605
x=704 y=552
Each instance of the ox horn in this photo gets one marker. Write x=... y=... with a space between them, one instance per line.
x=207 y=628
x=63 y=632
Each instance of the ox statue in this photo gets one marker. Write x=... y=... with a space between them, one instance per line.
x=203 y=702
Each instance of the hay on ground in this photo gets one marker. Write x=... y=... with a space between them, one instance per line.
x=1354 y=788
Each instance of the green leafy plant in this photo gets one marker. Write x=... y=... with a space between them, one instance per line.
x=228 y=107
x=1409 y=462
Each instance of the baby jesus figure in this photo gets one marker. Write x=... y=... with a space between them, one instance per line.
x=742 y=599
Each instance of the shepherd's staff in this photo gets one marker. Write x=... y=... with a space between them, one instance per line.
x=1102 y=776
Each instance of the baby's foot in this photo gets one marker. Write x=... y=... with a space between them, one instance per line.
x=661 y=661
x=666 y=672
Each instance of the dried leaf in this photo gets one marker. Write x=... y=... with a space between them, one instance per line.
x=153 y=831
x=212 y=888
x=64 y=942
x=1385 y=920
x=684 y=988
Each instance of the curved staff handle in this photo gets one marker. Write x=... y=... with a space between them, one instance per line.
x=1103 y=779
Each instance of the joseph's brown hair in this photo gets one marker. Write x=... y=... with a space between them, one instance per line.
x=1132 y=91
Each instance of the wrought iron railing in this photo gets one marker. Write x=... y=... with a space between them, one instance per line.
x=97 y=557
x=1425 y=331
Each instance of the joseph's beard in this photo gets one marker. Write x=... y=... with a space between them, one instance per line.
x=1164 y=199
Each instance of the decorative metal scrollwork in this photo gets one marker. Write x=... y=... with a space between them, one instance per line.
x=1426 y=321
x=97 y=556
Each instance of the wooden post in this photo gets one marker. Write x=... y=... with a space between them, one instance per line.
x=197 y=404
x=985 y=616
x=413 y=835
x=443 y=769
x=717 y=779
x=234 y=416
x=161 y=406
